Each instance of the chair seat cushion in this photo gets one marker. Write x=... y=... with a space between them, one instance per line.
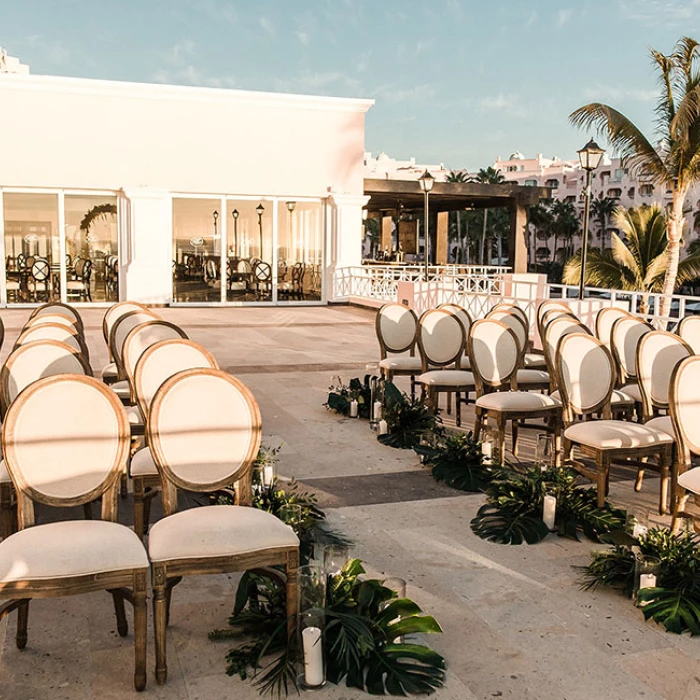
x=121 y=389
x=662 y=423
x=4 y=474
x=690 y=480
x=110 y=370
x=133 y=413
x=217 y=531
x=75 y=286
x=237 y=286
x=447 y=377
x=70 y=548
x=401 y=363
x=615 y=435
x=617 y=398
x=633 y=391
x=534 y=360
x=517 y=401
x=142 y=464
x=532 y=376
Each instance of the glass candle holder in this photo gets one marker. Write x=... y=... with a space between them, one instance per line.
x=544 y=452
x=646 y=572
x=311 y=625
x=291 y=514
x=335 y=556
x=489 y=450
x=264 y=475
x=637 y=523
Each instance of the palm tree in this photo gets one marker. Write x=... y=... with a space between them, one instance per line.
x=602 y=209
x=487 y=176
x=540 y=217
x=637 y=265
x=675 y=163
x=458 y=176
x=565 y=224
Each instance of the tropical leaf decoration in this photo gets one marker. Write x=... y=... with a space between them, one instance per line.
x=612 y=568
x=339 y=397
x=494 y=524
x=100 y=211
x=676 y=610
x=409 y=420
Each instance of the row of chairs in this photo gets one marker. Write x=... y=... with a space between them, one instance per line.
x=68 y=440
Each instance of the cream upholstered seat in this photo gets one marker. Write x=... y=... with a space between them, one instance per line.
x=396 y=326
x=157 y=363
x=604 y=320
x=689 y=330
x=662 y=423
x=586 y=375
x=203 y=451
x=632 y=392
x=213 y=531
x=534 y=360
x=442 y=344
x=617 y=398
x=533 y=378
x=86 y=444
x=496 y=355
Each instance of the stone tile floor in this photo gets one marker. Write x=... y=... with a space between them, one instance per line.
x=516 y=623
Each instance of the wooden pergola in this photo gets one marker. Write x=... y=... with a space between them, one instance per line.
x=390 y=197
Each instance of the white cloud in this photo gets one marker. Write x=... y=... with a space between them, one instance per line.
x=314 y=81
x=563 y=16
x=611 y=93
x=190 y=75
x=665 y=13
x=391 y=94
x=531 y=19
x=303 y=37
x=267 y=25
x=179 y=52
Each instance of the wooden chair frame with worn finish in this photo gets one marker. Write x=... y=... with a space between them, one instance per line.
x=604 y=457
x=146 y=486
x=385 y=350
x=61 y=308
x=166 y=574
x=60 y=318
x=124 y=584
x=117 y=337
x=507 y=385
x=63 y=334
x=627 y=371
x=550 y=350
x=604 y=333
x=686 y=331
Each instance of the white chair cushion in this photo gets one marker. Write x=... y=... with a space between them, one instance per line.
x=446 y=377
x=4 y=474
x=532 y=376
x=70 y=548
x=110 y=370
x=615 y=434
x=662 y=423
x=133 y=413
x=517 y=401
x=237 y=286
x=217 y=531
x=690 y=480
x=121 y=389
x=617 y=398
x=142 y=464
x=534 y=360
x=633 y=391
x=401 y=363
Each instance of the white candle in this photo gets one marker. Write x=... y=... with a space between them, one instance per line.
x=487 y=451
x=377 y=411
x=383 y=427
x=354 y=407
x=313 y=656
x=549 y=511
x=268 y=475
x=639 y=531
x=647 y=581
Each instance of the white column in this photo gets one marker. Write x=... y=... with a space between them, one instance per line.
x=344 y=235
x=148 y=241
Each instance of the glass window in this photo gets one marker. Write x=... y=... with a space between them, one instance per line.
x=299 y=251
x=196 y=250
x=92 y=262
x=32 y=247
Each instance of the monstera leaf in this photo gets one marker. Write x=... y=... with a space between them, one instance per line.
x=678 y=612
x=504 y=526
x=403 y=669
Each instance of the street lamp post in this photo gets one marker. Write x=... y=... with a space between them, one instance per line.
x=235 y=215
x=426 y=184
x=590 y=156
x=260 y=209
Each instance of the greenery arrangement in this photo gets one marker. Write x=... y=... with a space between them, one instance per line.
x=364 y=620
x=99 y=211
x=675 y=602
x=409 y=420
x=512 y=513
x=340 y=396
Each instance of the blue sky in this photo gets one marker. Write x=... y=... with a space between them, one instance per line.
x=455 y=81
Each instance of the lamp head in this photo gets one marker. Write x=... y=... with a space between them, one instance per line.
x=235 y=214
x=591 y=155
x=260 y=209
x=426 y=181
x=291 y=206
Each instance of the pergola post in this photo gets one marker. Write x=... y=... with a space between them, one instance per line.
x=442 y=239
x=517 y=239
x=387 y=242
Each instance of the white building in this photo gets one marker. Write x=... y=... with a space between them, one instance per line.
x=175 y=194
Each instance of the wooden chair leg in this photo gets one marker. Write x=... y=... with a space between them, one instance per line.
x=139 y=512
x=514 y=436
x=602 y=467
x=292 y=591
x=7 y=511
x=449 y=404
x=501 y=428
x=478 y=421
x=123 y=490
x=159 y=622
x=140 y=629
x=87 y=511
x=172 y=582
x=22 y=622
x=122 y=624
x=663 y=486
x=458 y=408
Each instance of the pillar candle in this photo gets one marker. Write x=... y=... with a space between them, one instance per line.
x=549 y=511
x=487 y=451
x=353 y=409
x=377 y=411
x=639 y=530
x=268 y=475
x=313 y=656
x=647 y=581
x=383 y=427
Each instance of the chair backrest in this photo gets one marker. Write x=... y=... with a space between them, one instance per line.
x=115 y=312
x=689 y=330
x=396 y=326
x=556 y=329
x=658 y=353
x=163 y=360
x=549 y=315
x=141 y=338
x=59 y=318
x=515 y=323
x=511 y=308
x=207 y=447
x=34 y=361
x=604 y=320
x=54 y=331
x=549 y=304
x=441 y=339
x=59 y=307
x=121 y=328
x=66 y=442
x=461 y=313
x=41 y=270
x=585 y=375
x=624 y=337
x=684 y=407
x=494 y=352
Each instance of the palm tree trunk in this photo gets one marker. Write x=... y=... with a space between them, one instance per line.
x=674 y=231
x=483 y=238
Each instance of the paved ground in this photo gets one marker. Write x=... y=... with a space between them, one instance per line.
x=516 y=623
